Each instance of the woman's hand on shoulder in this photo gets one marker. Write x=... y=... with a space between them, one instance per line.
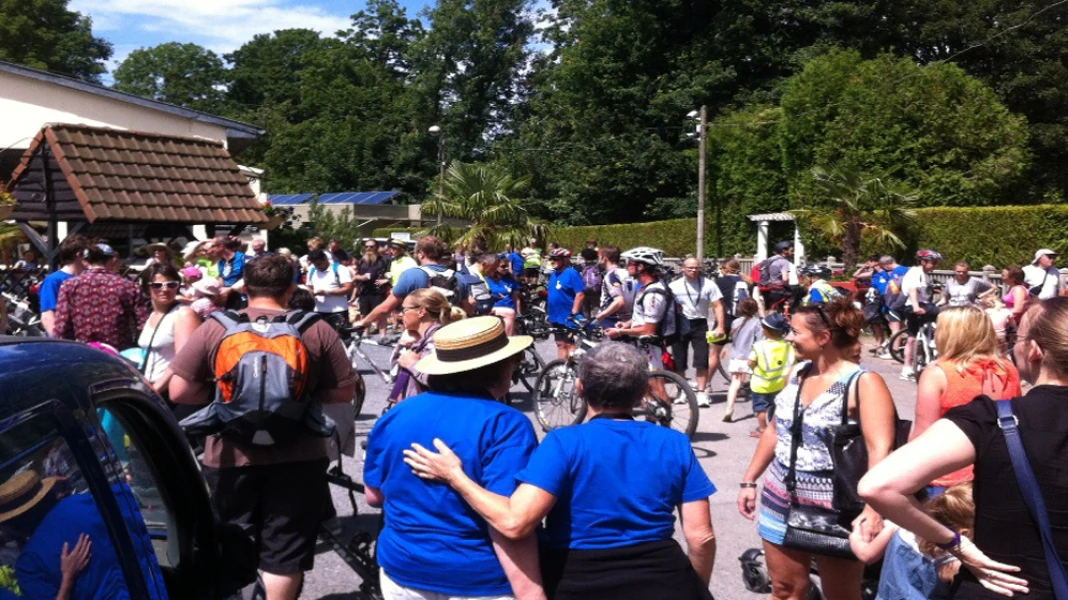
x=442 y=465
x=992 y=575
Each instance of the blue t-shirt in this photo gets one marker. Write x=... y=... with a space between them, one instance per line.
x=232 y=271
x=502 y=291
x=517 y=262
x=616 y=483
x=432 y=539
x=881 y=279
x=417 y=279
x=50 y=289
x=563 y=287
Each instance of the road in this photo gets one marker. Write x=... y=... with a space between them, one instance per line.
x=724 y=450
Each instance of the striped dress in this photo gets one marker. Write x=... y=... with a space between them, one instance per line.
x=815 y=485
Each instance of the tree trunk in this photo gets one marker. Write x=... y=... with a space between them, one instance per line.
x=851 y=246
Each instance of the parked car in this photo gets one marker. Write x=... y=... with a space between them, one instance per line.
x=88 y=449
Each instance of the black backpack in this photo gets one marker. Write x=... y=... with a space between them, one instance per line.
x=765 y=283
x=673 y=326
x=445 y=282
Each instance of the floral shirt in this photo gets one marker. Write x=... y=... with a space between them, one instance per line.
x=819 y=420
x=98 y=306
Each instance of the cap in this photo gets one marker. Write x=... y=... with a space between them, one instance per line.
x=775 y=322
x=1041 y=253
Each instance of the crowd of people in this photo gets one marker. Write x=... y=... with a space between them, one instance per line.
x=477 y=507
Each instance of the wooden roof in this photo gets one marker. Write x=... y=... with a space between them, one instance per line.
x=103 y=174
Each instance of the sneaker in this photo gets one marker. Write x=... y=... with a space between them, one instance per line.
x=885 y=355
x=680 y=399
x=907 y=376
x=702 y=400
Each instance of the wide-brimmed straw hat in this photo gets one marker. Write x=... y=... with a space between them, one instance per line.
x=151 y=248
x=22 y=492
x=469 y=344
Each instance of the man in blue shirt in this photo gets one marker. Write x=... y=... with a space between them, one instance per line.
x=891 y=273
x=567 y=292
x=231 y=264
x=70 y=256
x=430 y=252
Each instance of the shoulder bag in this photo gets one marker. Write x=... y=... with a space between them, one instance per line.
x=1032 y=496
x=810 y=528
x=850 y=454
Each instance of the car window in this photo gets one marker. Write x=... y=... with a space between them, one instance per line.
x=54 y=538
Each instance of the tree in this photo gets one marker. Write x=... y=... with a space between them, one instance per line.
x=43 y=34
x=182 y=74
x=491 y=201
x=852 y=206
x=265 y=71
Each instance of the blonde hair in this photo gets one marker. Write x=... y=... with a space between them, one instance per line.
x=1048 y=327
x=965 y=335
x=955 y=509
x=437 y=306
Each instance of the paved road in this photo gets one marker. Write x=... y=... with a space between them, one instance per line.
x=724 y=450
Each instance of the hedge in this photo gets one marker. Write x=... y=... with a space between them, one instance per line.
x=998 y=236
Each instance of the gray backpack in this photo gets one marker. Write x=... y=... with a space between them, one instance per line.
x=261 y=370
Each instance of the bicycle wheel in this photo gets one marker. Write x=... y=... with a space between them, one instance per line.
x=897 y=345
x=528 y=370
x=556 y=400
x=671 y=402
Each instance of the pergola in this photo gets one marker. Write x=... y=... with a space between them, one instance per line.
x=116 y=183
x=762 y=221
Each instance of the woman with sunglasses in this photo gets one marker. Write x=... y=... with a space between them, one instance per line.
x=168 y=327
x=808 y=410
x=422 y=312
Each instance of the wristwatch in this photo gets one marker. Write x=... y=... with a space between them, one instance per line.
x=748 y=485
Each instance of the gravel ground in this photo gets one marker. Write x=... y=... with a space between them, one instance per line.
x=724 y=450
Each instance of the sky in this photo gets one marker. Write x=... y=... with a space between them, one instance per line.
x=219 y=25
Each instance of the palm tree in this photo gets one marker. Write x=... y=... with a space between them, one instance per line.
x=490 y=200
x=853 y=205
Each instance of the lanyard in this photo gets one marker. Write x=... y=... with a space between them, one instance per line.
x=686 y=286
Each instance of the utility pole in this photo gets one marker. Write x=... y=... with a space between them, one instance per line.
x=441 y=175
x=701 y=135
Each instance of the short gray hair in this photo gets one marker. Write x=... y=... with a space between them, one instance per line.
x=886 y=259
x=614 y=375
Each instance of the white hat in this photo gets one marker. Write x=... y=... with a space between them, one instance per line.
x=1041 y=253
x=209 y=286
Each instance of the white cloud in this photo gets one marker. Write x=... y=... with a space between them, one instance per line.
x=220 y=25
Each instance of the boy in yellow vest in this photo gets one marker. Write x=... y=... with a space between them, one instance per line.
x=770 y=360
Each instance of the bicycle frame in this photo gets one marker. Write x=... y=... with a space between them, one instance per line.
x=354 y=351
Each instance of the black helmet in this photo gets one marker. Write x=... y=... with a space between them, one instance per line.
x=783 y=245
x=817 y=270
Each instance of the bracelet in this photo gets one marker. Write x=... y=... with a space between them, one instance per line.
x=952 y=544
x=748 y=485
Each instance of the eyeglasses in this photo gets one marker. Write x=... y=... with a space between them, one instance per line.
x=159 y=285
x=405 y=309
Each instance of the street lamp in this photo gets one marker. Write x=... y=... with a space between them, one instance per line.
x=702 y=130
x=436 y=130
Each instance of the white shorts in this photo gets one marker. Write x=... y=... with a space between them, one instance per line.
x=391 y=590
x=739 y=365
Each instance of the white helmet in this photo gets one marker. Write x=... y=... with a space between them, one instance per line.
x=645 y=254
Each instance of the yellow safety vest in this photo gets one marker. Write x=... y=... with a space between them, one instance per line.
x=825 y=289
x=773 y=361
x=400 y=265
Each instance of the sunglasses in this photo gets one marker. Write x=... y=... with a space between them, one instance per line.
x=159 y=285
x=405 y=309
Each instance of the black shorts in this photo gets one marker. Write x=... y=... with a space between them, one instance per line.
x=696 y=337
x=913 y=321
x=368 y=302
x=278 y=508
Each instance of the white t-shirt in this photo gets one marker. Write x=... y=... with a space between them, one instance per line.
x=916 y=279
x=695 y=297
x=1036 y=275
x=321 y=281
x=651 y=307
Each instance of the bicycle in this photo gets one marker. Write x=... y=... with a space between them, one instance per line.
x=354 y=350
x=926 y=351
x=669 y=400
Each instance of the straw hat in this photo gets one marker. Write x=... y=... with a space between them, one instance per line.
x=151 y=248
x=469 y=344
x=22 y=492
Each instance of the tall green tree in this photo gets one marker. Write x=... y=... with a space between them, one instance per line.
x=183 y=74
x=46 y=35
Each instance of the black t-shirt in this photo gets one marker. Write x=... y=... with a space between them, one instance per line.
x=377 y=269
x=1004 y=529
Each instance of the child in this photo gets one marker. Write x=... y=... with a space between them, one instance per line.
x=301 y=299
x=206 y=297
x=914 y=569
x=770 y=362
x=744 y=332
x=1001 y=318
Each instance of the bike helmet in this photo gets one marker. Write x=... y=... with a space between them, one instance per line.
x=560 y=253
x=821 y=271
x=783 y=245
x=645 y=254
x=934 y=255
x=754 y=573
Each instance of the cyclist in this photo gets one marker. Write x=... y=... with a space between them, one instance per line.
x=650 y=307
x=819 y=290
x=531 y=262
x=400 y=262
x=888 y=283
x=566 y=295
x=331 y=283
x=617 y=290
x=919 y=308
x=774 y=282
x=696 y=295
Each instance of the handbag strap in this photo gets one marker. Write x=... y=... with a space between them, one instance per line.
x=1032 y=495
x=854 y=384
x=795 y=435
x=152 y=338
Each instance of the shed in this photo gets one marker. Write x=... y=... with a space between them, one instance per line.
x=762 y=221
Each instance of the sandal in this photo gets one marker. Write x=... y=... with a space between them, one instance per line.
x=756 y=433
